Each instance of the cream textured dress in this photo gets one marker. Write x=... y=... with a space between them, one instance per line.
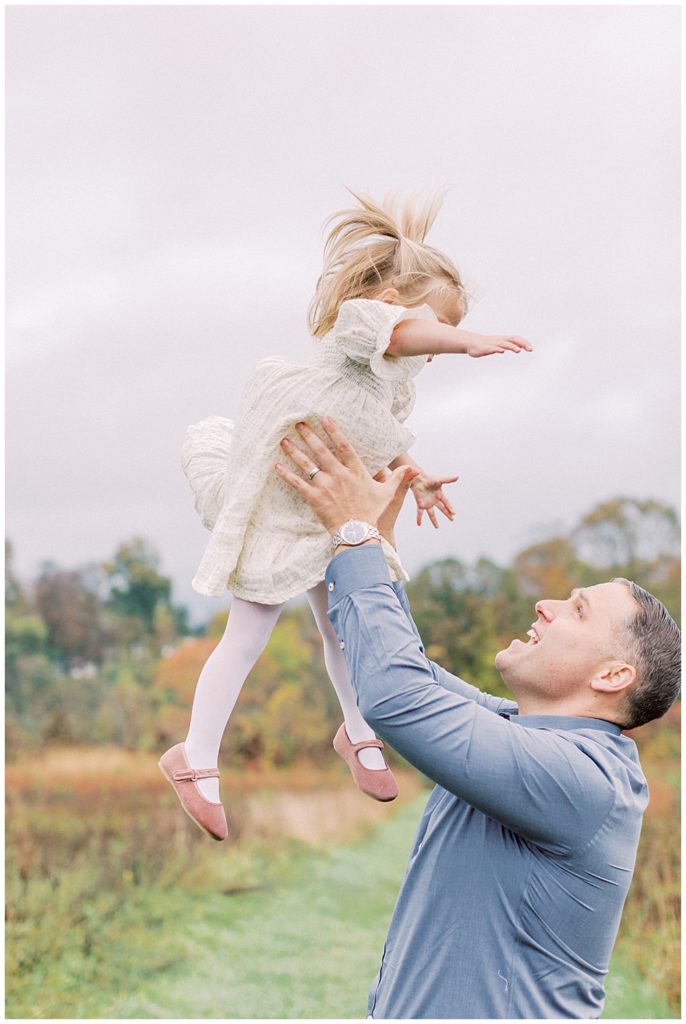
x=267 y=545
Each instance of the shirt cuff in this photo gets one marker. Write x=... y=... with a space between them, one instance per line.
x=356 y=569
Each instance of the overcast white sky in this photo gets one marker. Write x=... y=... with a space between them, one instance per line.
x=168 y=172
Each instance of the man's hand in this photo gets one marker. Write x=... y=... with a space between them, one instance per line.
x=386 y=523
x=343 y=488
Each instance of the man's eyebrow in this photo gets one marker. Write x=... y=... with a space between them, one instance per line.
x=579 y=593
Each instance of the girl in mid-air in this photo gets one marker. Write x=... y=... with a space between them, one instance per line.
x=267 y=545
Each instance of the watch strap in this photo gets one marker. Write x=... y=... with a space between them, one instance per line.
x=371 y=534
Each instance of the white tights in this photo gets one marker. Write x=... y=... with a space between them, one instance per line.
x=247 y=631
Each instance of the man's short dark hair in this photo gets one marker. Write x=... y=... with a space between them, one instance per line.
x=654 y=649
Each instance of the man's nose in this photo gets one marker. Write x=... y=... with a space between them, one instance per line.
x=545 y=609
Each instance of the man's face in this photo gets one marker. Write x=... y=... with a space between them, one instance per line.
x=568 y=642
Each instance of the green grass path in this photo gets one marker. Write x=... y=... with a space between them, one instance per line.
x=306 y=946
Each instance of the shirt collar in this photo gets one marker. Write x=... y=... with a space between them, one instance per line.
x=562 y=722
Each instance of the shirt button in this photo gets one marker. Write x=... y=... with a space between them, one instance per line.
x=330 y=587
x=341 y=645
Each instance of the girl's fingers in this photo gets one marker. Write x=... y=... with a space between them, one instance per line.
x=420 y=513
x=432 y=516
x=342 y=446
x=523 y=343
x=515 y=344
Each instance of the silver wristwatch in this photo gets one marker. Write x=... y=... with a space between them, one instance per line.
x=354 y=532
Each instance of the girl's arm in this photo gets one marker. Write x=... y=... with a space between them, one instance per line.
x=425 y=338
x=405 y=460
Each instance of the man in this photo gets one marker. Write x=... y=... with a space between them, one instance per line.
x=519 y=871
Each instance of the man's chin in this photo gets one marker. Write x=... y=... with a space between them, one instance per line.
x=501 y=659
x=507 y=652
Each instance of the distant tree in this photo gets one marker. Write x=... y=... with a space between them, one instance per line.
x=550 y=569
x=25 y=636
x=136 y=586
x=177 y=673
x=637 y=539
x=217 y=624
x=14 y=594
x=465 y=614
x=164 y=626
x=626 y=535
x=285 y=710
x=73 y=616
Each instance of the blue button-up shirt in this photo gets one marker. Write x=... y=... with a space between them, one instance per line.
x=520 y=867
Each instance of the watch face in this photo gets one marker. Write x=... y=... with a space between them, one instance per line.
x=354 y=531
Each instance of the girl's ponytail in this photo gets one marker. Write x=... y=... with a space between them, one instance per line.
x=369 y=246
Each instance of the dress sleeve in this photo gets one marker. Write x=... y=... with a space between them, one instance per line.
x=363 y=331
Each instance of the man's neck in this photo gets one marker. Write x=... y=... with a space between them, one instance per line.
x=569 y=709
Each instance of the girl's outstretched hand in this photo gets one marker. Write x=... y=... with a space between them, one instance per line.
x=491 y=344
x=428 y=493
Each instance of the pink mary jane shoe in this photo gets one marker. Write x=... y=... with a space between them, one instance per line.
x=208 y=815
x=380 y=785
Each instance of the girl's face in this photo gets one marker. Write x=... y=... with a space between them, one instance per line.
x=445 y=302
x=447 y=306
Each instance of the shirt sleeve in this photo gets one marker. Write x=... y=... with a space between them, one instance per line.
x=363 y=331
x=447 y=679
x=536 y=782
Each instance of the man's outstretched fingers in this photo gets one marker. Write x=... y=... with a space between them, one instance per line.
x=342 y=446
x=401 y=478
x=297 y=482
x=302 y=461
x=321 y=455
x=398 y=483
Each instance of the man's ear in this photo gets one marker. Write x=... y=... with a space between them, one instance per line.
x=388 y=295
x=613 y=676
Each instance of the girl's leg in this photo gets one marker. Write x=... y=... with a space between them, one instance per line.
x=247 y=631
x=355 y=725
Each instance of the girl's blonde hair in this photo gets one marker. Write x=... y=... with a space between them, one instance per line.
x=371 y=246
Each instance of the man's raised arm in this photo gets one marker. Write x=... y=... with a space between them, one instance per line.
x=513 y=774
x=448 y=679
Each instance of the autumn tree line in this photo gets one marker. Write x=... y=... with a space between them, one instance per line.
x=102 y=655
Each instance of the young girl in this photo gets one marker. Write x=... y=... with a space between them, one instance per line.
x=267 y=546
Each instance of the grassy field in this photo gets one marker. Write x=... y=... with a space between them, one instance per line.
x=118 y=907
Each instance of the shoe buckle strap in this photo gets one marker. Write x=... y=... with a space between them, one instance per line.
x=193 y=774
x=366 y=743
